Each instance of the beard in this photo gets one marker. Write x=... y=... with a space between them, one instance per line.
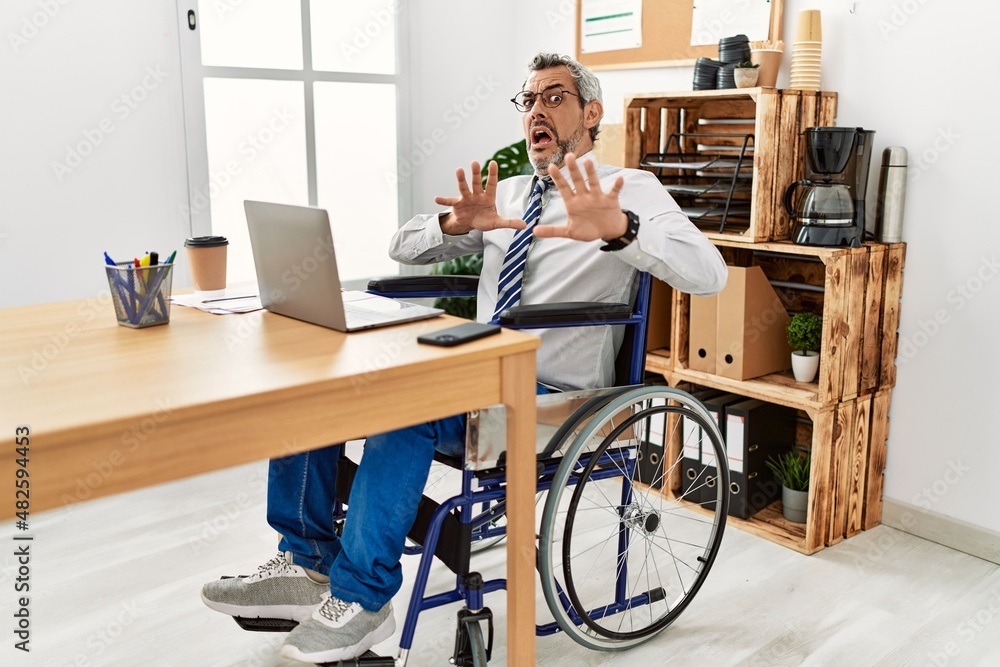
x=563 y=146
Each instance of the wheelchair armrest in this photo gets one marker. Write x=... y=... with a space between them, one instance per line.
x=440 y=286
x=581 y=312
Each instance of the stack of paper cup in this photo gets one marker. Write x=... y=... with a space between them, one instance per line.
x=806 y=51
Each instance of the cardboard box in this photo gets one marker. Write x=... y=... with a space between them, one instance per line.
x=702 y=333
x=750 y=339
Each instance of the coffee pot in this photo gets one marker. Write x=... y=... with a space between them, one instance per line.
x=830 y=210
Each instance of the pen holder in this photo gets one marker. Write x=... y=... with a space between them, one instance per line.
x=141 y=294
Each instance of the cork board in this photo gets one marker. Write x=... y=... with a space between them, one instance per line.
x=666 y=38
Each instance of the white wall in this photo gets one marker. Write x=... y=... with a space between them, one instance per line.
x=921 y=86
x=63 y=84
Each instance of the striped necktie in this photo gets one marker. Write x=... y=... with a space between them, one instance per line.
x=512 y=270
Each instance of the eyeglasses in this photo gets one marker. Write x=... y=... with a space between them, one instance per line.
x=525 y=100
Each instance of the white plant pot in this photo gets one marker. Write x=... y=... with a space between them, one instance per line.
x=805 y=365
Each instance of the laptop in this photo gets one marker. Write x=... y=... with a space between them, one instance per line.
x=297 y=272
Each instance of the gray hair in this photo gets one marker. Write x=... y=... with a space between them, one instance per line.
x=586 y=83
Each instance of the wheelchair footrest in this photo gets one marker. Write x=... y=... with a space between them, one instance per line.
x=265 y=624
x=369 y=659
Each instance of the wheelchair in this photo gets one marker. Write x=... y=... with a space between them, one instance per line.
x=620 y=554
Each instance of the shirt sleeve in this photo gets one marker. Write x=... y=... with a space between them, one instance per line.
x=421 y=241
x=669 y=246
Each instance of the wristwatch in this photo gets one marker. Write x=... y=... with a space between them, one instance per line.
x=630 y=233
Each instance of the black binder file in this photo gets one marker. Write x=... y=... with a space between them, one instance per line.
x=716 y=407
x=755 y=431
x=693 y=475
x=649 y=467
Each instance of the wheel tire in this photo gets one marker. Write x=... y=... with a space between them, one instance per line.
x=678 y=543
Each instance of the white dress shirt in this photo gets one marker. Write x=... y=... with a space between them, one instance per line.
x=668 y=246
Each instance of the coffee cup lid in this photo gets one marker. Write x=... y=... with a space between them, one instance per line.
x=206 y=242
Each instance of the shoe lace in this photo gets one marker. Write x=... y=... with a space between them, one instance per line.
x=333 y=609
x=277 y=565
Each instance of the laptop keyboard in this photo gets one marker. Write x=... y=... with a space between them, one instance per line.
x=360 y=316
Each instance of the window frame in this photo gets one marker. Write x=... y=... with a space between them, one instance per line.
x=193 y=74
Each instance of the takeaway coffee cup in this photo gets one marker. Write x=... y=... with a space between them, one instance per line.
x=207 y=257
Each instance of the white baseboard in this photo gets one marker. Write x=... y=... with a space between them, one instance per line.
x=955 y=533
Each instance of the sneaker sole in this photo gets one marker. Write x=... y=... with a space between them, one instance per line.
x=285 y=612
x=379 y=634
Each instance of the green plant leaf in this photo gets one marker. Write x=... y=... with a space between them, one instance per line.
x=805 y=331
x=511 y=161
x=791 y=469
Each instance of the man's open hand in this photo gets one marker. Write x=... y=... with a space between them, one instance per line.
x=591 y=213
x=475 y=207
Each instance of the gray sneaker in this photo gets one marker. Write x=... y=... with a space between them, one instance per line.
x=278 y=589
x=338 y=630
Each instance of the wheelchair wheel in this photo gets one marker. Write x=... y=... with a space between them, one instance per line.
x=620 y=560
x=477 y=644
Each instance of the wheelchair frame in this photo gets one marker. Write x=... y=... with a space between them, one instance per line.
x=591 y=455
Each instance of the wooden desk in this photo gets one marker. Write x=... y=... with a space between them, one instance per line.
x=112 y=409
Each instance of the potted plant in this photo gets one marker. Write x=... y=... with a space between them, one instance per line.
x=791 y=468
x=511 y=161
x=805 y=331
x=745 y=74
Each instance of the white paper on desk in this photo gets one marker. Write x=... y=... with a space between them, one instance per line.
x=714 y=19
x=610 y=25
x=243 y=300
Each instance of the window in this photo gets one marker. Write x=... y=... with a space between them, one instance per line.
x=294 y=101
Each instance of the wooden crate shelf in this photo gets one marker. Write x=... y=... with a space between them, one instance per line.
x=857 y=292
x=847 y=444
x=776 y=118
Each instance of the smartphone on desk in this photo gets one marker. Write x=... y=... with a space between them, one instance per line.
x=456 y=335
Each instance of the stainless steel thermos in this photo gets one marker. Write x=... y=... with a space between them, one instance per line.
x=891 y=195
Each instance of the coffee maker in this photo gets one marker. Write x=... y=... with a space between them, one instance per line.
x=831 y=208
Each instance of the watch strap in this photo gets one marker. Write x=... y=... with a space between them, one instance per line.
x=630 y=233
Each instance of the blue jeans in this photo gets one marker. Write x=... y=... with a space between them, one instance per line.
x=364 y=564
